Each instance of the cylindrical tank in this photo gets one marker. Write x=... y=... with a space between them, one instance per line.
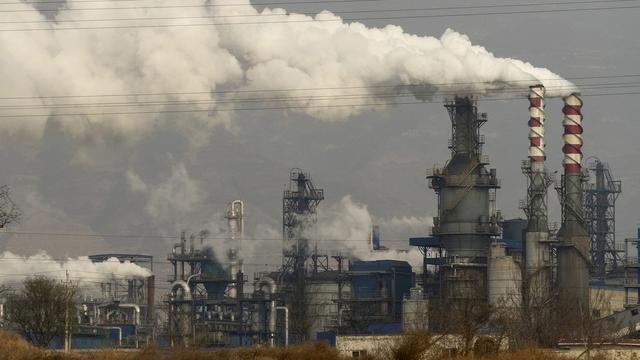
x=503 y=278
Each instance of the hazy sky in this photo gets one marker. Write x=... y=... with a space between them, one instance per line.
x=178 y=172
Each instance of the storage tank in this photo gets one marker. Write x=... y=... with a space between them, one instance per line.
x=389 y=279
x=504 y=278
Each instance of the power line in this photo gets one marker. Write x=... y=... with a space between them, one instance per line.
x=122 y=236
x=394 y=10
x=407 y=17
x=289 y=107
x=466 y=7
x=526 y=81
x=241 y=100
x=188 y=6
x=128 y=236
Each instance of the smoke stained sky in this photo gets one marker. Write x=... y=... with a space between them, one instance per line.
x=85 y=175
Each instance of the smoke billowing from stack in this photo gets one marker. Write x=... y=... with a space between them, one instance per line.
x=354 y=68
x=537 y=251
x=573 y=253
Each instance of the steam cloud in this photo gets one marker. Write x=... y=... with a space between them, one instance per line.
x=15 y=268
x=346 y=227
x=211 y=67
x=361 y=65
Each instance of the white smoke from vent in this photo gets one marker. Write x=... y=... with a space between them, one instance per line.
x=355 y=65
x=14 y=269
x=346 y=227
x=172 y=200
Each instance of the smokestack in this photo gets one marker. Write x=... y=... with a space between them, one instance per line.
x=573 y=253
x=537 y=250
x=572 y=123
x=536 y=128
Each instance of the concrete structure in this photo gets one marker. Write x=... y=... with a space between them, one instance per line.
x=504 y=278
x=415 y=311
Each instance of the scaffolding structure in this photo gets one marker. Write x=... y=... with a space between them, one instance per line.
x=299 y=213
x=600 y=198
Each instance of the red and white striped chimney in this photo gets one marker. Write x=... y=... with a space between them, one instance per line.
x=536 y=128
x=572 y=123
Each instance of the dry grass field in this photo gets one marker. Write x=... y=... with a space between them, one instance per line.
x=12 y=347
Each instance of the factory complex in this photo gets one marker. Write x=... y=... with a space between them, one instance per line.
x=479 y=266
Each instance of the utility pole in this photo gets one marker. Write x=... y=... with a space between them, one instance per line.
x=67 y=334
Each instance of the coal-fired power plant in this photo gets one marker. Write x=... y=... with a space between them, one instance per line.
x=477 y=267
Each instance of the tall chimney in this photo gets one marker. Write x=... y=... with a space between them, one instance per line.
x=537 y=249
x=573 y=252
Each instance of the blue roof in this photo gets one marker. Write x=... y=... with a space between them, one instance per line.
x=428 y=241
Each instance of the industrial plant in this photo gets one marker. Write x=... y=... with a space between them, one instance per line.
x=473 y=255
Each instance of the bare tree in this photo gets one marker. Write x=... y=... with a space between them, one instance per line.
x=42 y=309
x=9 y=211
x=469 y=315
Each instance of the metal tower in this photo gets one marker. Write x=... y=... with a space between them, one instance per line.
x=467 y=220
x=600 y=219
x=299 y=204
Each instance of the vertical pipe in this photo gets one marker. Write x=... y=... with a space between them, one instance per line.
x=286 y=324
x=151 y=295
x=272 y=324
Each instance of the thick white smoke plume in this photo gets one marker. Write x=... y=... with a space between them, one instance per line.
x=187 y=66
x=82 y=271
x=346 y=227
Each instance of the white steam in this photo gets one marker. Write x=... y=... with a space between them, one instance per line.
x=170 y=200
x=355 y=65
x=346 y=227
x=15 y=268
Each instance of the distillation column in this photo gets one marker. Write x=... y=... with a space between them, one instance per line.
x=573 y=250
x=467 y=220
x=537 y=280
